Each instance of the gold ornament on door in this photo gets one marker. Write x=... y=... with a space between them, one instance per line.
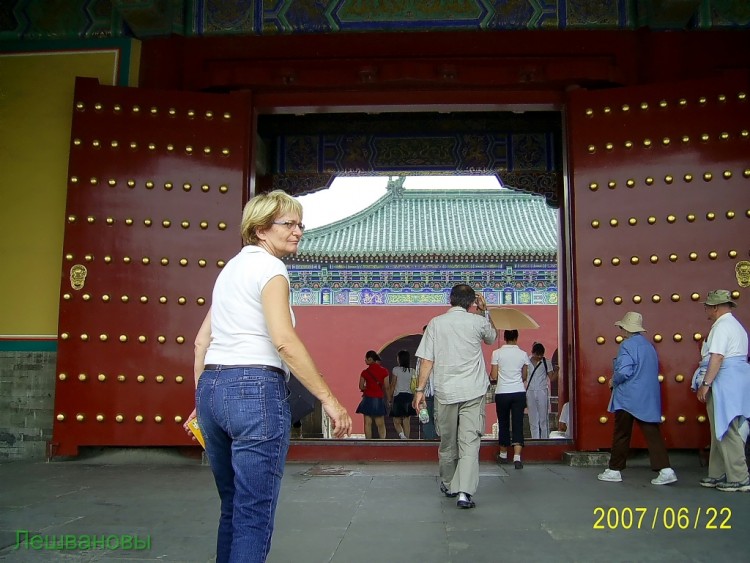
x=742 y=271
x=78 y=274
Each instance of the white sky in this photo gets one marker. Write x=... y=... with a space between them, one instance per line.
x=348 y=195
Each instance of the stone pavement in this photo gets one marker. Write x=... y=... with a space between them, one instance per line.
x=375 y=513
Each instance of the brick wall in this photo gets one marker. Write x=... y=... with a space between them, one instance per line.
x=27 y=392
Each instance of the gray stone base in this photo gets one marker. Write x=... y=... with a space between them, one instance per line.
x=585 y=459
x=113 y=455
x=636 y=458
x=27 y=390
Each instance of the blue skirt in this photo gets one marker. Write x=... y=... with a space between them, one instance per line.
x=371 y=406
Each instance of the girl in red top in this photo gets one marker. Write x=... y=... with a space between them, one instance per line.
x=373 y=382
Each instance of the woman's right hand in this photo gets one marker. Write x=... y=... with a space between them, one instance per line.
x=342 y=422
x=186 y=426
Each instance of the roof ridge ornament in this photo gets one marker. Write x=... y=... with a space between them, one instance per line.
x=395 y=185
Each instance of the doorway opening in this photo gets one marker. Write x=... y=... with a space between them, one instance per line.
x=310 y=153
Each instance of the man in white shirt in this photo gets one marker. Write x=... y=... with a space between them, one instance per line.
x=725 y=389
x=564 y=429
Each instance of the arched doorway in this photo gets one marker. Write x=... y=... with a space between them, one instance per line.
x=388 y=354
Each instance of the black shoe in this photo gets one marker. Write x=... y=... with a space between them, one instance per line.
x=518 y=464
x=502 y=460
x=464 y=501
x=446 y=491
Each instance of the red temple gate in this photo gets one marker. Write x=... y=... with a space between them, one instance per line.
x=155 y=182
x=660 y=216
x=657 y=216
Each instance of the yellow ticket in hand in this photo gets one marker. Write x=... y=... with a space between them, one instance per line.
x=196 y=430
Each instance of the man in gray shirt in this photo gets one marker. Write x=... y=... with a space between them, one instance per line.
x=451 y=349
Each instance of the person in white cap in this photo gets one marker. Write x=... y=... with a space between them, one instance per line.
x=723 y=383
x=636 y=397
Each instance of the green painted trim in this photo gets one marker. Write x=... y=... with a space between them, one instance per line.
x=705 y=15
x=124 y=45
x=28 y=345
x=188 y=20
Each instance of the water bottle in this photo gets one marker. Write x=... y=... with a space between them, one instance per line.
x=424 y=416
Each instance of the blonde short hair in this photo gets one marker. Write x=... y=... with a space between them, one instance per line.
x=260 y=212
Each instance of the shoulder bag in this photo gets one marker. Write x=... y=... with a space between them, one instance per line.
x=377 y=381
x=414 y=381
x=542 y=361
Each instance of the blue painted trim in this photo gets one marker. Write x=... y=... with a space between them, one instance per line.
x=198 y=15
x=258 y=18
x=625 y=13
x=394 y=25
x=33 y=345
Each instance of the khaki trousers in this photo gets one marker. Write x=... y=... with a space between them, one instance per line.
x=461 y=428
x=728 y=454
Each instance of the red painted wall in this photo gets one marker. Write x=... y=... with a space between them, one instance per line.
x=338 y=337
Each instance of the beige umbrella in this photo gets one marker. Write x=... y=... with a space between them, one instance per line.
x=509 y=318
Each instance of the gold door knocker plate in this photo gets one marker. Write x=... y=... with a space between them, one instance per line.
x=742 y=271
x=78 y=274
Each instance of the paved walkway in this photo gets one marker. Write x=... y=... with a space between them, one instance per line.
x=377 y=513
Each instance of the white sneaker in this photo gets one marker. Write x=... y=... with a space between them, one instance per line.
x=610 y=475
x=665 y=477
x=402 y=436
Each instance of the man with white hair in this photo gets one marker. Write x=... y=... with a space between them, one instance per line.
x=636 y=397
x=725 y=388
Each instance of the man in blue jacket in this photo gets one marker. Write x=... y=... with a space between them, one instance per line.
x=636 y=396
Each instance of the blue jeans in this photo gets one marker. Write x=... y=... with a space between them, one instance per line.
x=245 y=419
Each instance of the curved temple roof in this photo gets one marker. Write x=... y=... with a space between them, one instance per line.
x=465 y=224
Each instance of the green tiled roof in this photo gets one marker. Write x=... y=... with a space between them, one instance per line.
x=439 y=224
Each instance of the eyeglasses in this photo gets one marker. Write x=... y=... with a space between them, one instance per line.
x=291 y=225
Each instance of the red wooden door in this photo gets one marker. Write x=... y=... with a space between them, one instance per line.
x=156 y=183
x=660 y=180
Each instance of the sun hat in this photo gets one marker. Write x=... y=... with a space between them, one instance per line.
x=719 y=297
x=632 y=322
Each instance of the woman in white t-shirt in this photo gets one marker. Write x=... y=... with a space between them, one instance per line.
x=400 y=380
x=509 y=369
x=244 y=352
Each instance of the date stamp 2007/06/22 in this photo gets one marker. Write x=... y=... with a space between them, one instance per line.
x=668 y=518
